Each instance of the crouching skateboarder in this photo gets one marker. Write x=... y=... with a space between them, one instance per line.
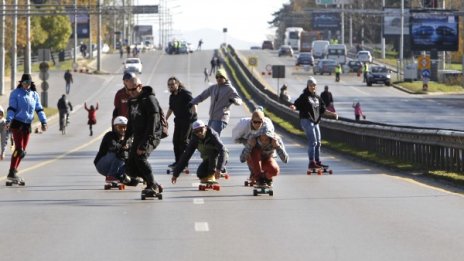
x=112 y=155
x=213 y=154
x=144 y=127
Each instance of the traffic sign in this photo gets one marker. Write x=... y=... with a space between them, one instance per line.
x=426 y=73
x=423 y=62
x=253 y=61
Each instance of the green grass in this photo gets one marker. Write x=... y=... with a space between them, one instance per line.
x=48 y=112
x=416 y=87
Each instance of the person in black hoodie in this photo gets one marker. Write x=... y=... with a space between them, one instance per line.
x=311 y=108
x=184 y=117
x=144 y=127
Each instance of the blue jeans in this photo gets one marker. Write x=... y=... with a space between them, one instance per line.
x=216 y=125
x=111 y=165
x=313 y=133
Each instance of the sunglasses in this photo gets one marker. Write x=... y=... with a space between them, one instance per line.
x=199 y=130
x=27 y=82
x=257 y=122
x=220 y=77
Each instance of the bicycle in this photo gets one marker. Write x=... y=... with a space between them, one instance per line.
x=64 y=121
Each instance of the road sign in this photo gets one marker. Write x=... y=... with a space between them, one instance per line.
x=426 y=73
x=253 y=61
x=145 y=9
x=423 y=62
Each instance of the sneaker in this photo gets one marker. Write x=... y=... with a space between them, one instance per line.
x=313 y=165
x=160 y=188
x=111 y=179
x=12 y=175
x=172 y=165
x=268 y=182
x=320 y=164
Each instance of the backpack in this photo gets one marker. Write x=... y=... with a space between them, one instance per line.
x=164 y=124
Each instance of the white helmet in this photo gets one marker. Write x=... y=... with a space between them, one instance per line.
x=120 y=120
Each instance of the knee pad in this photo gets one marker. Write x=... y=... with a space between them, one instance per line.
x=19 y=153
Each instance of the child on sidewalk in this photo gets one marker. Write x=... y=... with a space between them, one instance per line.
x=92 y=116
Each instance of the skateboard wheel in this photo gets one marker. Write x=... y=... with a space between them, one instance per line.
x=107 y=186
x=255 y=192
x=168 y=171
x=319 y=172
x=330 y=172
x=246 y=183
x=216 y=187
x=8 y=183
x=22 y=183
x=143 y=197
x=159 y=196
x=201 y=187
x=271 y=193
x=187 y=171
x=226 y=176
x=308 y=172
x=122 y=187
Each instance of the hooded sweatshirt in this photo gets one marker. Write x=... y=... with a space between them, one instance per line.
x=310 y=106
x=222 y=96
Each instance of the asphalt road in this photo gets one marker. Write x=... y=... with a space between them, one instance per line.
x=358 y=213
x=380 y=103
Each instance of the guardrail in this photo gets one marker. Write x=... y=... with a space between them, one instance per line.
x=430 y=149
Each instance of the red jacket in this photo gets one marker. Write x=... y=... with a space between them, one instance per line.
x=92 y=114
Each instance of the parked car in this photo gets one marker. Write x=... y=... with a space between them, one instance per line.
x=378 y=74
x=267 y=45
x=286 y=50
x=133 y=65
x=355 y=65
x=325 y=66
x=364 y=56
x=305 y=59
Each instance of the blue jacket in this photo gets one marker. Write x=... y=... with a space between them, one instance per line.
x=22 y=105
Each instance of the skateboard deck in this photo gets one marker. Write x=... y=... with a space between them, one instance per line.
x=151 y=194
x=263 y=189
x=214 y=185
x=10 y=183
x=113 y=184
x=319 y=171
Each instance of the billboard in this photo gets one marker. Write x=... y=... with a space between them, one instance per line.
x=83 y=23
x=326 y=21
x=434 y=30
x=392 y=21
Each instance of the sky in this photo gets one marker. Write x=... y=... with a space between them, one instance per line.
x=246 y=20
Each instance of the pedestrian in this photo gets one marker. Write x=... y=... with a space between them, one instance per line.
x=128 y=50
x=223 y=95
x=283 y=96
x=327 y=98
x=200 y=42
x=358 y=113
x=365 y=70
x=311 y=108
x=121 y=52
x=64 y=107
x=92 y=116
x=258 y=153
x=110 y=160
x=213 y=65
x=205 y=72
x=144 y=128
x=68 y=78
x=122 y=96
x=4 y=134
x=184 y=117
x=23 y=102
x=212 y=151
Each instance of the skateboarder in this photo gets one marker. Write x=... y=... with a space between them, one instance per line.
x=213 y=153
x=258 y=153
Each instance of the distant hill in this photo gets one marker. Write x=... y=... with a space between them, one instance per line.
x=212 y=39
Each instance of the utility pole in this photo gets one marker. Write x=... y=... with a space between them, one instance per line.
x=27 y=54
x=99 y=39
x=75 y=36
x=342 y=39
x=382 y=37
x=14 y=51
x=401 y=39
x=2 y=47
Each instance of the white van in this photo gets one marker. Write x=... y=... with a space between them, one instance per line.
x=337 y=52
x=319 y=49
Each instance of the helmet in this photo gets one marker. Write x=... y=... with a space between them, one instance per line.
x=120 y=120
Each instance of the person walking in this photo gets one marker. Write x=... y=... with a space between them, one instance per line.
x=23 y=102
x=311 y=108
x=205 y=72
x=358 y=113
x=68 y=78
x=258 y=153
x=365 y=70
x=200 y=43
x=144 y=127
x=122 y=96
x=327 y=98
x=184 y=117
x=213 y=65
x=64 y=107
x=223 y=95
x=92 y=116
x=212 y=151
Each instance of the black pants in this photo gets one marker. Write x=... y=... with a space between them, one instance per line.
x=181 y=137
x=138 y=165
x=208 y=165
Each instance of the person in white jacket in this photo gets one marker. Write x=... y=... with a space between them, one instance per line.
x=246 y=127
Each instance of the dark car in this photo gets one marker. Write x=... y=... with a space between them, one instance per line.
x=267 y=45
x=378 y=74
x=285 y=50
x=305 y=59
x=325 y=66
x=355 y=65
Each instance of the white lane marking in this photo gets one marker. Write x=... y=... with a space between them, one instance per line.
x=198 y=201
x=201 y=227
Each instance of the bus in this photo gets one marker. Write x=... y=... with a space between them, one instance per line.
x=292 y=37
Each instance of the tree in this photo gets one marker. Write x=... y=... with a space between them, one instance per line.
x=53 y=32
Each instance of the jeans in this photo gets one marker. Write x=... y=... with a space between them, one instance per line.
x=216 y=125
x=111 y=165
x=313 y=133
